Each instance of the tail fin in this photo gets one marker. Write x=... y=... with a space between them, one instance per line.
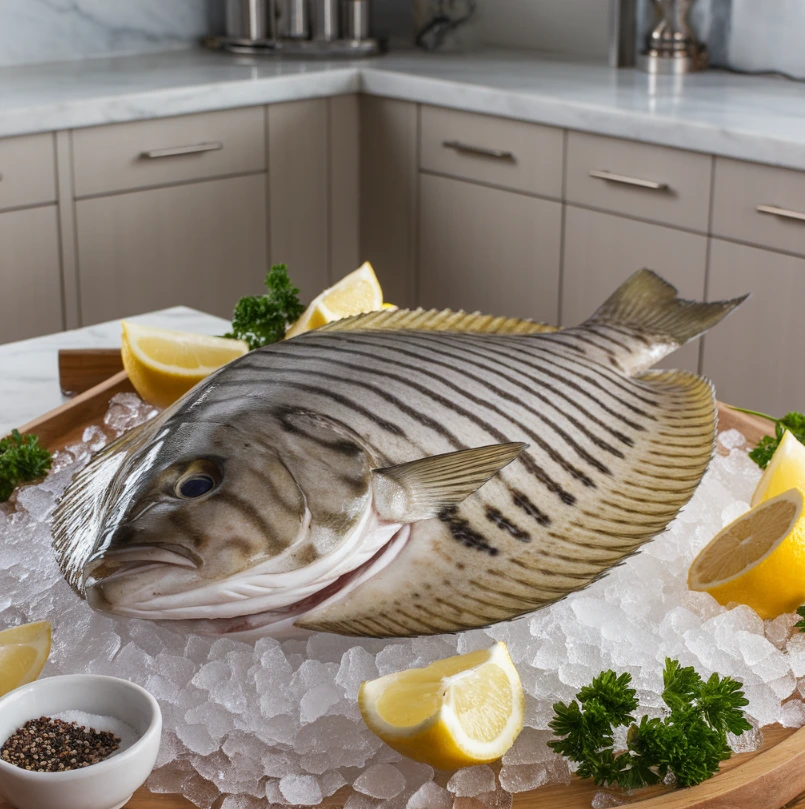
x=644 y=320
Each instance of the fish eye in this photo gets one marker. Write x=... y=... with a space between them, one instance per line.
x=195 y=486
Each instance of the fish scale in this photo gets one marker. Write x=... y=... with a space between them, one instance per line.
x=376 y=422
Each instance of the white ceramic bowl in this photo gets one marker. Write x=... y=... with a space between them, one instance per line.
x=106 y=785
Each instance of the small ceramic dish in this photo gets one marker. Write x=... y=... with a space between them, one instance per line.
x=106 y=785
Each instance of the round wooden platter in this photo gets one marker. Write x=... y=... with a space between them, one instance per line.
x=769 y=778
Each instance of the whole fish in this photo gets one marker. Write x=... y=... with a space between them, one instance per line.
x=399 y=473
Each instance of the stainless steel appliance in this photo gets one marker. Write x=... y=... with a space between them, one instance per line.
x=672 y=46
x=324 y=23
x=306 y=28
x=355 y=15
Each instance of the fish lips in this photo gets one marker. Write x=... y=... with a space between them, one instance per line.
x=113 y=566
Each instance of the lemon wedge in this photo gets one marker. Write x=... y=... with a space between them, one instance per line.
x=758 y=560
x=354 y=294
x=163 y=365
x=24 y=651
x=785 y=471
x=453 y=713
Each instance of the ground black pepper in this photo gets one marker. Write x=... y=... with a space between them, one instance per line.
x=52 y=745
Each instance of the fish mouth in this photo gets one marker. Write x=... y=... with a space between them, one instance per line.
x=109 y=566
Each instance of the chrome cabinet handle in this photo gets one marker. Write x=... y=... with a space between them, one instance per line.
x=481 y=151
x=785 y=213
x=609 y=177
x=173 y=151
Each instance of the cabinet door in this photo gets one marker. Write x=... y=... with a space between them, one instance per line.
x=754 y=356
x=602 y=251
x=299 y=192
x=202 y=245
x=488 y=250
x=30 y=274
x=388 y=194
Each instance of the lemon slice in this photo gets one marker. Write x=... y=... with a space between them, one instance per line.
x=758 y=560
x=24 y=651
x=453 y=713
x=785 y=471
x=163 y=365
x=354 y=294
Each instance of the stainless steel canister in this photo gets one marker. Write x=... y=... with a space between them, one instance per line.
x=355 y=19
x=324 y=21
x=293 y=19
x=249 y=20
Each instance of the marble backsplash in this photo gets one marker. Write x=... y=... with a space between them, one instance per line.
x=33 y=31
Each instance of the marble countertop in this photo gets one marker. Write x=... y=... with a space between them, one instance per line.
x=29 y=368
x=746 y=117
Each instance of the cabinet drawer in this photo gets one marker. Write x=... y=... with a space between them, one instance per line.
x=167 y=151
x=27 y=171
x=637 y=179
x=602 y=251
x=482 y=249
x=495 y=151
x=741 y=188
x=753 y=356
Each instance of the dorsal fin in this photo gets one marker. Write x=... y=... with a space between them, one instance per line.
x=435 y=320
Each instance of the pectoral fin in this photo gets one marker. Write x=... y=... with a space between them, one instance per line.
x=420 y=489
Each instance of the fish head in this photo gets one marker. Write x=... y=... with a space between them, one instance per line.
x=173 y=522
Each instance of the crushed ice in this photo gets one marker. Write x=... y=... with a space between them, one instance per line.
x=279 y=721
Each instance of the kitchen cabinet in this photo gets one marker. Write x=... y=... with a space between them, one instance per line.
x=30 y=274
x=485 y=249
x=201 y=244
x=754 y=355
x=388 y=189
x=602 y=250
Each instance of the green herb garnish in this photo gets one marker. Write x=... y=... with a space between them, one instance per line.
x=264 y=319
x=689 y=742
x=21 y=460
x=800 y=625
x=793 y=422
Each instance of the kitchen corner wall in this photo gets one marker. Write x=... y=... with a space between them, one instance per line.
x=572 y=27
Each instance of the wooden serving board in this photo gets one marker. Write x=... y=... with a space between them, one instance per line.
x=770 y=778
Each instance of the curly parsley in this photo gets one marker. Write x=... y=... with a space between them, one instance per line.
x=264 y=319
x=689 y=742
x=793 y=422
x=21 y=461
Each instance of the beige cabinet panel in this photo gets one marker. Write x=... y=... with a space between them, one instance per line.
x=754 y=356
x=494 y=151
x=30 y=275
x=682 y=200
x=740 y=188
x=389 y=194
x=202 y=245
x=27 y=171
x=602 y=251
x=345 y=174
x=168 y=150
x=299 y=192
x=488 y=250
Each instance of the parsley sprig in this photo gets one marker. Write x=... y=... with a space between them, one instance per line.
x=793 y=422
x=689 y=742
x=21 y=460
x=264 y=319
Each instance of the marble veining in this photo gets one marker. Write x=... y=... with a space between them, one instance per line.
x=54 y=30
x=29 y=368
x=746 y=117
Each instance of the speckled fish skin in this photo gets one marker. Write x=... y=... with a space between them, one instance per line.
x=294 y=533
